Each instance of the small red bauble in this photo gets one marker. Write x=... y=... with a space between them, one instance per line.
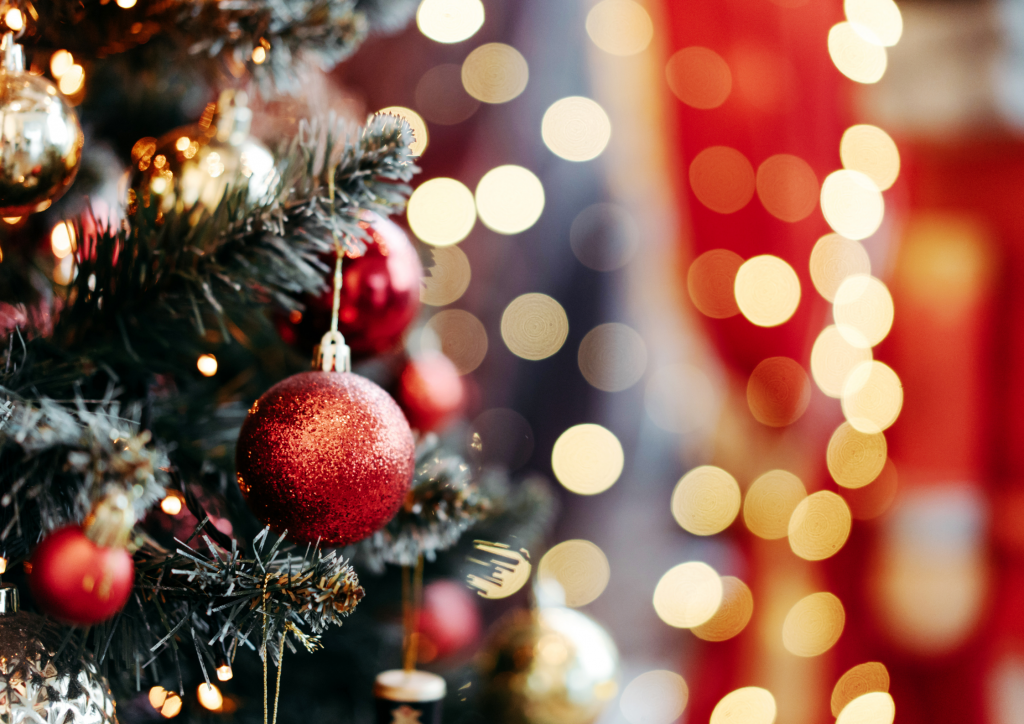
x=380 y=295
x=430 y=390
x=77 y=581
x=450 y=619
x=326 y=456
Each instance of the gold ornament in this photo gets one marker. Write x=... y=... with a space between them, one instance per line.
x=549 y=666
x=40 y=139
x=191 y=168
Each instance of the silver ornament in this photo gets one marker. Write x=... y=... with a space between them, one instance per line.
x=40 y=138
x=35 y=686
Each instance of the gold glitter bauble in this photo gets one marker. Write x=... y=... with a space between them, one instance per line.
x=40 y=139
x=38 y=686
x=191 y=168
x=549 y=666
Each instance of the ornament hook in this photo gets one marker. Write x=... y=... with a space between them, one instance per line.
x=333 y=355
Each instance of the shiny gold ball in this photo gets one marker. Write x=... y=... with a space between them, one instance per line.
x=549 y=666
x=40 y=143
x=189 y=169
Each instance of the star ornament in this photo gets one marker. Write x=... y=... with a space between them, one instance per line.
x=405 y=714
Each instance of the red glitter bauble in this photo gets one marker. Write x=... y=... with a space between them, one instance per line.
x=430 y=390
x=380 y=295
x=77 y=581
x=326 y=456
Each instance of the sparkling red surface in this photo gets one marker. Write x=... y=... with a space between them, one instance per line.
x=325 y=456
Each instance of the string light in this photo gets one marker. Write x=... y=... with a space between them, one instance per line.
x=72 y=81
x=224 y=672
x=14 y=20
x=171 y=504
x=3 y=565
x=210 y=697
x=62 y=240
x=259 y=54
x=61 y=62
x=168 y=703
x=207 y=365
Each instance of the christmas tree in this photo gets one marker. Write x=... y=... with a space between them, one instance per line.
x=147 y=328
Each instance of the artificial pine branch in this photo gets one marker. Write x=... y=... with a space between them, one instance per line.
x=217 y=36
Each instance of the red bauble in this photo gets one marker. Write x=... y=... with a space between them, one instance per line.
x=326 y=456
x=77 y=581
x=380 y=295
x=450 y=619
x=430 y=390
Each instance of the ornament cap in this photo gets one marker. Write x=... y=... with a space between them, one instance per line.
x=9 y=602
x=333 y=355
x=14 y=54
x=401 y=685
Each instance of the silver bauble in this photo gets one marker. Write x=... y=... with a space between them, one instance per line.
x=35 y=686
x=40 y=139
x=189 y=169
x=552 y=665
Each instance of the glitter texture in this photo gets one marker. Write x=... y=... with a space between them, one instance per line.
x=325 y=456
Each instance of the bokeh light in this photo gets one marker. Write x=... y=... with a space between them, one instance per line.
x=72 y=81
x=60 y=63
x=711 y=282
x=854 y=56
x=872 y=397
x=778 y=392
x=210 y=697
x=688 y=595
x=813 y=625
x=699 y=77
x=767 y=290
x=620 y=27
x=863 y=310
x=873 y=500
x=654 y=697
x=168 y=703
x=722 y=179
x=450 y=21
x=441 y=211
x=749 y=705
x=832 y=360
x=770 y=502
x=787 y=187
x=871 y=151
x=604 y=237
x=855 y=458
x=852 y=204
x=207 y=365
x=440 y=97
x=62 y=239
x=732 y=615
x=876 y=707
x=833 y=259
x=612 y=357
x=495 y=73
x=534 y=326
x=706 y=500
x=416 y=122
x=447 y=280
x=172 y=503
x=576 y=128
x=579 y=567
x=509 y=199
x=879 y=21
x=462 y=336
x=861 y=679
x=587 y=459
x=819 y=526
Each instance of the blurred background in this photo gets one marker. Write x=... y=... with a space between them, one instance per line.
x=742 y=277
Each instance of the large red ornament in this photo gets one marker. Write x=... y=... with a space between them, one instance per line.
x=326 y=456
x=430 y=390
x=380 y=295
x=75 y=580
